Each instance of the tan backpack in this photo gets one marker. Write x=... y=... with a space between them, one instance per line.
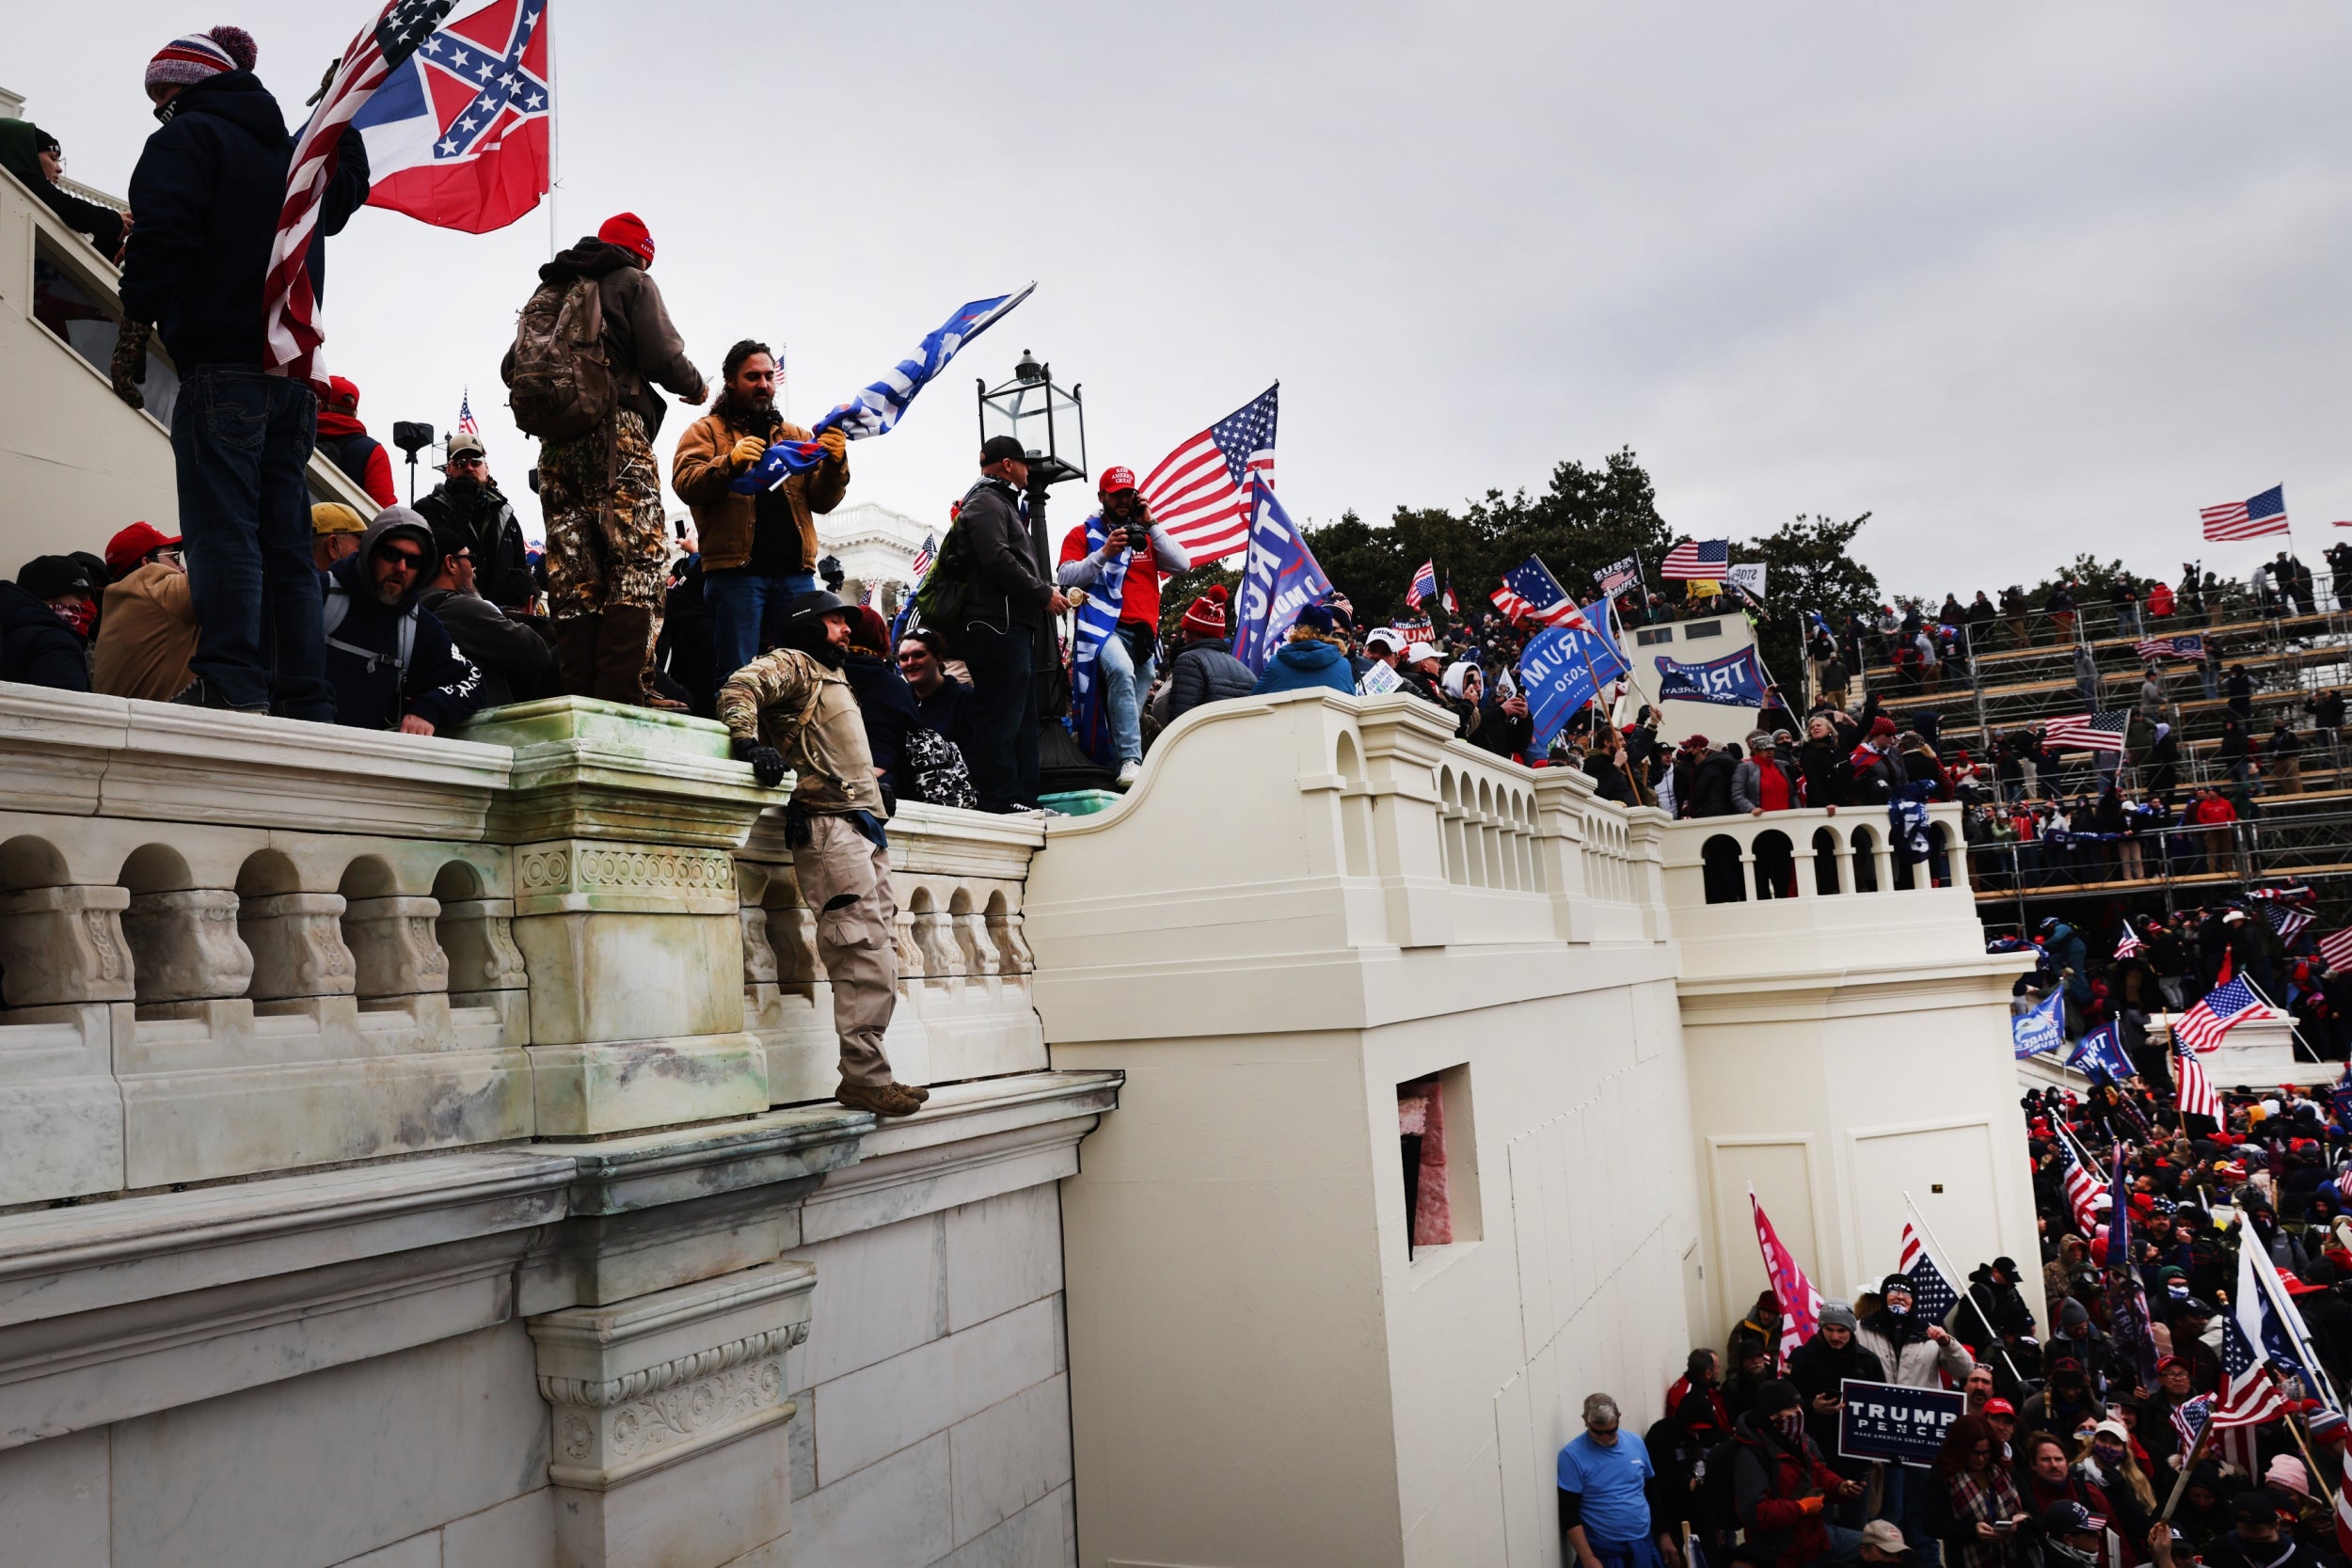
x=563 y=384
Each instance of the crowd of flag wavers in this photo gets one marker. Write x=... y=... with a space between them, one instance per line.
x=2163 y=1384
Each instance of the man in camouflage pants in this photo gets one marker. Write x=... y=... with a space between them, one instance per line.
x=793 y=707
x=600 y=492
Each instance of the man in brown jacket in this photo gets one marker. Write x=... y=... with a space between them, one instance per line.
x=147 y=633
x=600 y=493
x=793 y=707
x=760 y=550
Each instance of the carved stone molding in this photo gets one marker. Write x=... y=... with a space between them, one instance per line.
x=648 y=1382
x=64 y=944
x=588 y=875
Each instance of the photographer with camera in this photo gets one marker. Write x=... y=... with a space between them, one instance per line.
x=757 y=550
x=467 y=505
x=1118 y=556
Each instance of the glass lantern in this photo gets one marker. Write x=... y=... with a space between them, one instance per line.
x=1048 y=420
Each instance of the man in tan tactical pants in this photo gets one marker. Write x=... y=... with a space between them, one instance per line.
x=792 y=707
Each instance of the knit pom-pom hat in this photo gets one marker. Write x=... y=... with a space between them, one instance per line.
x=198 y=56
x=1205 y=615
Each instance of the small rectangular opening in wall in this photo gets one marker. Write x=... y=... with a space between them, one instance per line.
x=1437 y=1159
x=1647 y=635
x=1693 y=630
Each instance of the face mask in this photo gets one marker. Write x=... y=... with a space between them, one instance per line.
x=80 y=615
x=2177 y=1290
x=1790 y=1422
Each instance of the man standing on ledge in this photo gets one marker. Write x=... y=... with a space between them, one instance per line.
x=1007 y=609
x=793 y=707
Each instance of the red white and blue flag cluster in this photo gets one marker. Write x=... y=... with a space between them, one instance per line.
x=459 y=134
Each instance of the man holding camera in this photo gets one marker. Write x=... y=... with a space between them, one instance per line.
x=759 y=549
x=793 y=707
x=1118 y=555
x=467 y=505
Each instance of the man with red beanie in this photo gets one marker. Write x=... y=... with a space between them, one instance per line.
x=1204 y=668
x=600 y=489
x=207 y=191
x=350 y=448
x=1118 y=556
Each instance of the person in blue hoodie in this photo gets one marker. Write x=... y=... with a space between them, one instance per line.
x=1311 y=655
x=207 y=193
x=389 y=661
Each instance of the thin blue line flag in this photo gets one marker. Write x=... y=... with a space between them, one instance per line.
x=880 y=406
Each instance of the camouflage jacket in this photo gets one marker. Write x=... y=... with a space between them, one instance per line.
x=787 y=700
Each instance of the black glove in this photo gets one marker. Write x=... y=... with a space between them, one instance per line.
x=767 y=762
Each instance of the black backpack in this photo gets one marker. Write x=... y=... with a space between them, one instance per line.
x=1718 y=1497
x=940 y=597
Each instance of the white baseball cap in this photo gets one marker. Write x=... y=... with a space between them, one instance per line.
x=1384 y=637
x=1420 y=651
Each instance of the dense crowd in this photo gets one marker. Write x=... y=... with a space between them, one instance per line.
x=2090 y=1381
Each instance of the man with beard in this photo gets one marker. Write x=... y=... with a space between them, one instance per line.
x=759 y=549
x=389 y=661
x=467 y=504
x=1118 y=556
x=1916 y=1353
x=793 y=707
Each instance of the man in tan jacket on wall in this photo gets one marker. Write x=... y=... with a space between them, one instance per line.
x=757 y=550
x=147 y=632
x=793 y=709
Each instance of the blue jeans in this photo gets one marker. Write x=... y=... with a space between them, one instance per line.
x=738 y=596
x=1002 y=752
x=240 y=441
x=1124 y=682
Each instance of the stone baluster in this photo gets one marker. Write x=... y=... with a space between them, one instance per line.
x=185 y=945
x=760 y=958
x=980 y=957
x=297 y=940
x=1012 y=946
x=395 y=947
x=477 y=937
x=64 y=944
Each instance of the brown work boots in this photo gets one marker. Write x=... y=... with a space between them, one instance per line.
x=884 y=1099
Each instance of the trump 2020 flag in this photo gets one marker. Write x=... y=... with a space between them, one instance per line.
x=2041 y=1027
x=2102 y=1051
x=1735 y=680
x=458 y=135
x=1280 y=577
x=878 y=408
x=1800 y=1302
x=1558 y=671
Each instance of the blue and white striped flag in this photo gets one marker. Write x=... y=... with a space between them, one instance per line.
x=880 y=406
x=1098 y=623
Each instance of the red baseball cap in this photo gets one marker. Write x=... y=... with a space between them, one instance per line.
x=134 y=544
x=629 y=231
x=2000 y=1407
x=1116 y=480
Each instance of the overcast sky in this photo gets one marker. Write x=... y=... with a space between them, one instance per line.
x=2019 y=279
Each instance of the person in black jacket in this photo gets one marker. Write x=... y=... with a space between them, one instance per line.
x=1504 y=726
x=34 y=157
x=390 y=662
x=1710 y=781
x=37 y=645
x=1819 y=1368
x=207 y=193
x=468 y=501
x=1204 y=668
x=1821 y=765
x=515 y=659
x=942 y=704
x=1009 y=603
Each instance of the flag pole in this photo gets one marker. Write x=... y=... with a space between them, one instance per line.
x=2295 y=1429
x=2188 y=1463
x=555 y=142
x=1935 y=1246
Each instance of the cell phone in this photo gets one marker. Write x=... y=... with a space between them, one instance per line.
x=2004 y=1526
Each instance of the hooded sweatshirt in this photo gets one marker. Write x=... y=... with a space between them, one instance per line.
x=207 y=191
x=440 y=684
x=640 y=343
x=1297 y=666
x=19 y=155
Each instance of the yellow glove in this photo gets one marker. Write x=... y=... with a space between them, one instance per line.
x=836 y=444
x=747 y=452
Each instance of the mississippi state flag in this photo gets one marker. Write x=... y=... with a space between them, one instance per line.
x=457 y=137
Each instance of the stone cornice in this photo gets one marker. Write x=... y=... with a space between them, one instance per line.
x=603 y=1394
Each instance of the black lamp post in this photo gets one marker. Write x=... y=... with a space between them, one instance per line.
x=1050 y=423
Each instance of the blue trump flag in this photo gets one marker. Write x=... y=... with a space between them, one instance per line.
x=1554 y=674
x=2041 y=1027
x=2102 y=1051
x=1735 y=680
x=880 y=406
x=1280 y=578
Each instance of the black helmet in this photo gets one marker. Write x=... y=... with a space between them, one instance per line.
x=802 y=608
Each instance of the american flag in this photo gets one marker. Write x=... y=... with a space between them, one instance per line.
x=2190 y=1417
x=1531 y=593
x=465 y=425
x=2285 y=919
x=2170 y=647
x=1423 y=587
x=1201 y=491
x=2095 y=732
x=1800 y=1302
x=1697 y=561
x=2196 y=1097
x=2247 y=519
x=2336 y=947
x=2251 y=1345
x=2223 y=1009
x=1932 y=1297
x=2082 y=1187
x=2129 y=944
x=922 y=564
x=290 y=304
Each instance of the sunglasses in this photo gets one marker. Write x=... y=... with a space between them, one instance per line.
x=408 y=560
